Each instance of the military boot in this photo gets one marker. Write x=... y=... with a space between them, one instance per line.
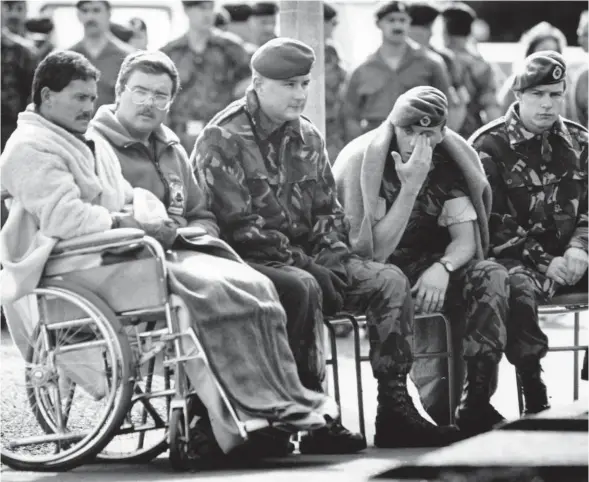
x=475 y=414
x=399 y=424
x=533 y=388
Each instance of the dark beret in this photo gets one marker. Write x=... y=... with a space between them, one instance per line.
x=195 y=3
x=390 y=7
x=82 y=2
x=42 y=25
x=422 y=13
x=458 y=18
x=542 y=68
x=239 y=12
x=328 y=12
x=264 y=8
x=282 y=58
x=421 y=106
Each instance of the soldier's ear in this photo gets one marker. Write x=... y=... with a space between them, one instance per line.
x=46 y=95
x=518 y=95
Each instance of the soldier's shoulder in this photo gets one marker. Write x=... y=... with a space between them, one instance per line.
x=488 y=133
x=178 y=43
x=231 y=118
x=577 y=131
x=18 y=42
x=310 y=130
x=227 y=39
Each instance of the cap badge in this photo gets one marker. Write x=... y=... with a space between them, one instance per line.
x=557 y=73
x=425 y=121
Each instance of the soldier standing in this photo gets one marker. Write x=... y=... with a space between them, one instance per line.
x=101 y=47
x=536 y=163
x=213 y=67
x=478 y=76
x=262 y=22
x=398 y=65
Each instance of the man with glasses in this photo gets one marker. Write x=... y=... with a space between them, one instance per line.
x=398 y=65
x=214 y=71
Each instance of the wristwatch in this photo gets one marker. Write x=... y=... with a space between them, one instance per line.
x=447 y=265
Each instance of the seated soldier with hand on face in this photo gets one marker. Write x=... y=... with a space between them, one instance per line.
x=417 y=197
x=273 y=192
x=536 y=163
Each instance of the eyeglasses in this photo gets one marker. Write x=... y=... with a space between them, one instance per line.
x=140 y=96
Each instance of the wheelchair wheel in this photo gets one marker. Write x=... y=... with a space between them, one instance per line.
x=180 y=458
x=143 y=434
x=77 y=382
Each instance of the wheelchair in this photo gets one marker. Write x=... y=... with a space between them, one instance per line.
x=99 y=371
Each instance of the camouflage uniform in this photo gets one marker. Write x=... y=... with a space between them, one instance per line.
x=477 y=294
x=274 y=197
x=335 y=76
x=19 y=60
x=539 y=210
x=207 y=79
x=479 y=79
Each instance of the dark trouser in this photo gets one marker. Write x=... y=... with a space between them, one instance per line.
x=529 y=289
x=301 y=298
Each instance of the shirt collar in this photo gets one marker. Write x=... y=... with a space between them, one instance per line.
x=517 y=132
x=262 y=123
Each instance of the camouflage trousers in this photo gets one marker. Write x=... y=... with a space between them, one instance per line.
x=476 y=303
x=528 y=289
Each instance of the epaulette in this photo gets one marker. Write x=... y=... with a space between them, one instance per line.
x=232 y=110
x=485 y=129
x=575 y=124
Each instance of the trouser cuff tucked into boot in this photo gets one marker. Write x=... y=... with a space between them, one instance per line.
x=399 y=424
x=534 y=390
x=475 y=414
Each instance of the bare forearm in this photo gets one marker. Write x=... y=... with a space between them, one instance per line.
x=460 y=251
x=389 y=230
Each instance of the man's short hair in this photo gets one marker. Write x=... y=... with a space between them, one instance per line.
x=81 y=3
x=148 y=62
x=58 y=69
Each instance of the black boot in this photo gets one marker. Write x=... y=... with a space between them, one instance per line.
x=399 y=424
x=533 y=388
x=475 y=414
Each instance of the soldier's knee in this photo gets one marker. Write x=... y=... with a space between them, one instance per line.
x=304 y=286
x=493 y=277
x=392 y=280
x=521 y=283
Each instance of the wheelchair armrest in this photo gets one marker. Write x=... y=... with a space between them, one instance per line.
x=121 y=235
x=568 y=299
x=191 y=232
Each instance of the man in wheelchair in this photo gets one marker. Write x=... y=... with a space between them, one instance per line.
x=64 y=184
x=536 y=163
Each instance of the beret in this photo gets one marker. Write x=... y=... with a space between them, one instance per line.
x=82 y=2
x=264 y=8
x=422 y=13
x=195 y=3
x=541 y=68
x=328 y=12
x=282 y=58
x=390 y=7
x=239 y=12
x=39 y=25
x=421 y=106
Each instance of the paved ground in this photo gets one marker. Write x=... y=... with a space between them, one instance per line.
x=558 y=375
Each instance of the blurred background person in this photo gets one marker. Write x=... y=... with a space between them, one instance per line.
x=262 y=22
x=399 y=64
x=121 y=32
x=40 y=31
x=214 y=71
x=14 y=16
x=239 y=24
x=139 y=39
x=578 y=90
x=542 y=36
x=335 y=78
x=222 y=19
x=103 y=49
x=477 y=74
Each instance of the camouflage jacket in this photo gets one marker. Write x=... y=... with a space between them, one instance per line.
x=272 y=191
x=479 y=79
x=539 y=206
x=207 y=81
x=335 y=77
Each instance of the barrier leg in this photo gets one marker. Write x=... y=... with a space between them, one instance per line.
x=576 y=359
x=334 y=364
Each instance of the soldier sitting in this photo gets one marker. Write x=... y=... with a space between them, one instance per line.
x=536 y=163
x=417 y=198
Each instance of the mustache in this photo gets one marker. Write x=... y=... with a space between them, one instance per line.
x=398 y=31
x=90 y=23
x=148 y=112
x=85 y=116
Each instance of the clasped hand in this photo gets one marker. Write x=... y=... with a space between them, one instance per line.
x=430 y=289
x=568 y=269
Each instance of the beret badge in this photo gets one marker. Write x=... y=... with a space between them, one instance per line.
x=557 y=73
x=425 y=121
